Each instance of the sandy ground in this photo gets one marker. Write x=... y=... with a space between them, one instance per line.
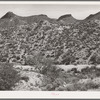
x=69 y=67
x=34 y=79
x=33 y=83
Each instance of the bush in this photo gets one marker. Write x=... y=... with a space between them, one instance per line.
x=83 y=86
x=42 y=64
x=25 y=78
x=86 y=86
x=71 y=87
x=8 y=76
x=60 y=88
x=30 y=60
x=91 y=72
x=50 y=87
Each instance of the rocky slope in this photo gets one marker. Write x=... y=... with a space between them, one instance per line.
x=23 y=37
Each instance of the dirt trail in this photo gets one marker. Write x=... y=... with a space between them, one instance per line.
x=69 y=67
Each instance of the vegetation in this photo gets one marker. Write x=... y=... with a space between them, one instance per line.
x=86 y=79
x=8 y=76
x=43 y=43
x=64 y=43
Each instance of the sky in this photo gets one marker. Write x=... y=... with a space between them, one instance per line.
x=51 y=10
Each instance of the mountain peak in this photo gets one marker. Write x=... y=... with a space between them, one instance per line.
x=65 y=16
x=93 y=16
x=67 y=19
x=8 y=15
x=43 y=15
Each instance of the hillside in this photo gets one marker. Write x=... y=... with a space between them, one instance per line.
x=50 y=46
x=12 y=20
x=93 y=16
x=21 y=37
x=68 y=19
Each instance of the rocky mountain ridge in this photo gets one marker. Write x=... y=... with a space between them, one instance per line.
x=21 y=37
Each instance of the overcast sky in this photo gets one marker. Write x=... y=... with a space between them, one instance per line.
x=53 y=11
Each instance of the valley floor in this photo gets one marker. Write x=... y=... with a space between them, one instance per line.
x=85 y=78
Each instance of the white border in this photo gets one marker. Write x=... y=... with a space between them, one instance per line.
x=52 y=2
x=50 y=94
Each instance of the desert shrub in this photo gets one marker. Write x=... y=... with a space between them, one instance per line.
x=46 y=80
x=50 y=87
x=72 y=79
x=70 y=76
x=98 y=73
x=25 y=78
x=41 y=63
x=68 y=60
x=30 y=60
x=98 y=59
x=74 y=70
x=47 y=65
x=83 y=86
x=91 y=85
x=91 y=72
x=76 y=87
x=80 y=61
x=70 y=87
x=59 y=81
x=55 y=84
x=60 y=88
x=52 y=76
x=80 y=87
x=52 y=72
x=85 y=70
x=95 y=70
x=86 y=86
x=8 y=76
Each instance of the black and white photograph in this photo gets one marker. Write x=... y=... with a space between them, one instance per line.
x=49 y=47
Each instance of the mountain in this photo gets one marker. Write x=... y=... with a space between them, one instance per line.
x=8 y=15
x=67 y=19
x=11 y=20
x=92 y=17
x=60 y=39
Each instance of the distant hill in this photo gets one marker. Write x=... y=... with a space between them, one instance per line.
x=10 y=19
x=68 y=19
x=92 y=17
